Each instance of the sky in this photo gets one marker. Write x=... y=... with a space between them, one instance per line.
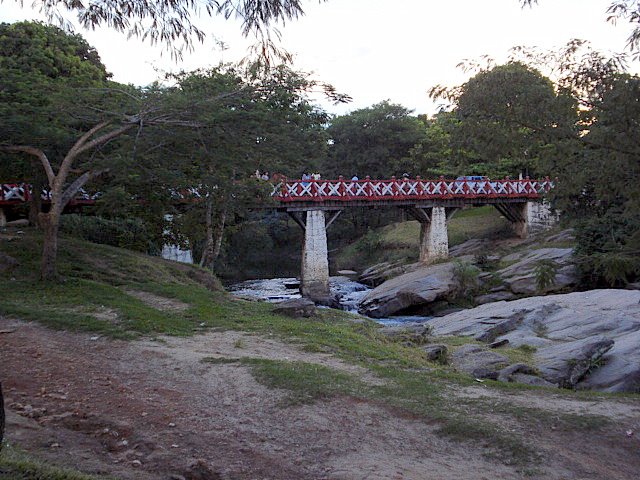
x=375 y=50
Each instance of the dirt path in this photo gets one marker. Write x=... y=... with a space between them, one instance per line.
x=154 y=410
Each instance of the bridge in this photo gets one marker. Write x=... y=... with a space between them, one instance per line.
x=430 y=202
x=315 y=204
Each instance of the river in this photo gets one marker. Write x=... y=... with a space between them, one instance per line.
x=348 y=292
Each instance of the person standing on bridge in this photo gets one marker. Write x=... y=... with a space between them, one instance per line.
x=355 y=178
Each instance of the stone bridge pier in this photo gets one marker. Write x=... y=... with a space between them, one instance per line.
x=3 y=218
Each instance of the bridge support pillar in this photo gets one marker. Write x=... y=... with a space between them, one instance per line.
x=529 y=217
x=314 y=283
x=434 y=238
x=3 y=218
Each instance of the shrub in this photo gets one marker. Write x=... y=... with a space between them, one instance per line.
x=466 y=277
x=130 y=233
x=545 y=273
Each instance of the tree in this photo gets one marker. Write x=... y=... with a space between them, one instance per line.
x=172 y=22
x=59 y=109
x=373 y=141
x=506 y=118
x=39 y=65
x=263 y=122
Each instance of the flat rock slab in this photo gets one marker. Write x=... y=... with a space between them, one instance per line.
x=560 y=326
x=422 y=286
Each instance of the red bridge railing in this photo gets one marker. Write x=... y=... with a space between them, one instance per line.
x=408 y=189
x=15 y=193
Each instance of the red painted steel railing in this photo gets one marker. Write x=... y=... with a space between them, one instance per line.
x=15 y=193
x=408 y=189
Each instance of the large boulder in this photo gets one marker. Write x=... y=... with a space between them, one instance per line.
x=296 y=308
x=478 y=361
x=424 y=285
x=597 y=331
x=520 y=277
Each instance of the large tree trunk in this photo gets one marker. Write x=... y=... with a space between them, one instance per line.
x=50 y=223
x=219 y=234
x=35 y=203
x=1 y=416
x=207 y=254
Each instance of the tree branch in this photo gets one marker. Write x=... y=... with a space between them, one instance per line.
x=37 y=153
x=71 y=191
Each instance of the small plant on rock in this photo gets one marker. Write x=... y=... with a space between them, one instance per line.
x=545 y=272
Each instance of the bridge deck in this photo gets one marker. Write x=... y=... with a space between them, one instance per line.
x=333 y=194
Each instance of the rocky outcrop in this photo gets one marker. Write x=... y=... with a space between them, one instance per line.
x=520 y=277
x=381 y=272
x=423 y=286
x=585 y=340
x=427 y=289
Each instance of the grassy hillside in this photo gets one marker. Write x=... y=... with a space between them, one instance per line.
x=400 y=242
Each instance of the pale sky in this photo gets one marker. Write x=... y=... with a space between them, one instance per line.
x=377 y=50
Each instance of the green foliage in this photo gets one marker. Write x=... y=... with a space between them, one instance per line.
x=545 y=273
x=373 y=141
x=130 y=233
x=503 y=120
x=466 y=277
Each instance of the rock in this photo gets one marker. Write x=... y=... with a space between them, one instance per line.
x=567 y=235
x=436 y=353
x=199 y=470
x=7 y=263
x=470 y=247
x=347 y=273
x=506 y=374
x=408 y=334
x=556 y=324
x=422 y=286
x=566 y=364
x=296 y=308
x=494 y=297
x=501 y=327
x=520 y=277
x=499 y=343
x=531 y=380
x=377 y=274
x=478 y=361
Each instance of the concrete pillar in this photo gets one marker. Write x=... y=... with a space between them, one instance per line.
x=535 y=217
x=434 y=238
x=3 y=218
x=314 y=283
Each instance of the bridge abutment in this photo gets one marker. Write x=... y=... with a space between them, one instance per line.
x=314 y=283
x=534 y=217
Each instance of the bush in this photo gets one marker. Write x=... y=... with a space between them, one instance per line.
x=545 y=273
x=466 y=277
x=130 y=233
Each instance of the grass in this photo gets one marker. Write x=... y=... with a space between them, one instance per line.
x=400 y=242
x=17 y=465
x=93 y=298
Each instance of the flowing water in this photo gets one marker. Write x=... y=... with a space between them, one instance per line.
x=348 y=293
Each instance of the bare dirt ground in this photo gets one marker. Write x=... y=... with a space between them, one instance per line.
x=153 y=410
